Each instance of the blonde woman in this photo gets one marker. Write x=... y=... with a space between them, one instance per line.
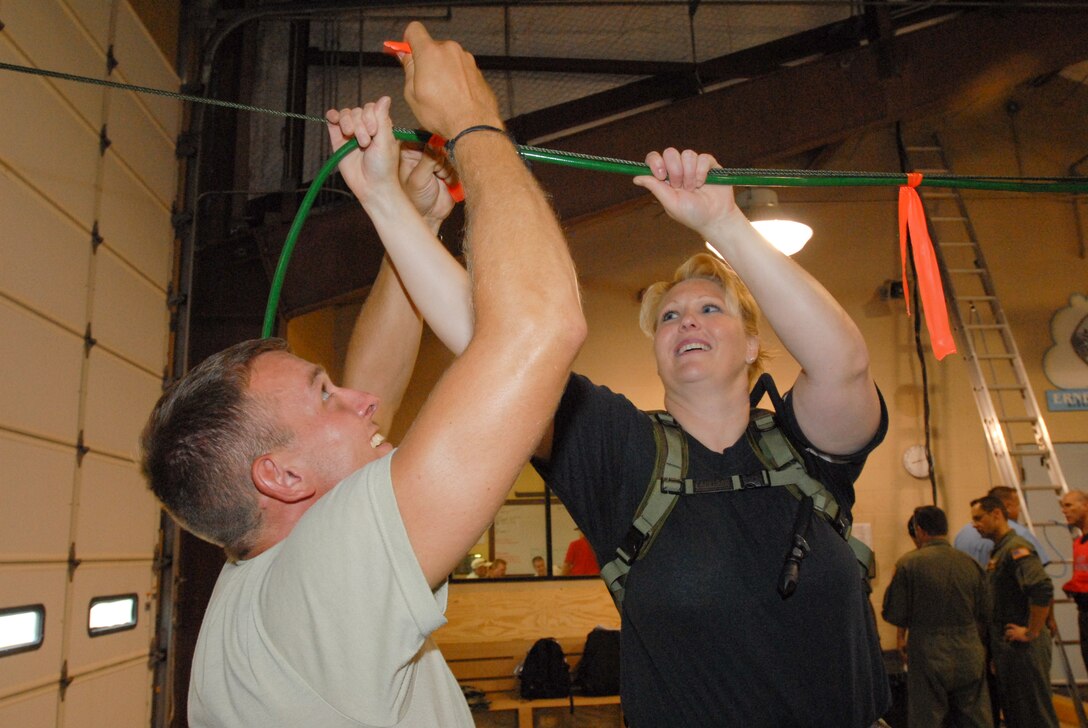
x=707 y=639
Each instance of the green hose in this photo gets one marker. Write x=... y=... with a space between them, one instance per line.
x=806 y=178
x=750 y=177
x=296 y=228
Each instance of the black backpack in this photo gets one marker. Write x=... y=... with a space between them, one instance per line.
x=598 y=672
x=544 y=673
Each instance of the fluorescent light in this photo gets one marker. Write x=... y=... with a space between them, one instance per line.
x=21 y=628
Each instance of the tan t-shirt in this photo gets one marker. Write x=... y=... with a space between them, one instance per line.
x=330 y=627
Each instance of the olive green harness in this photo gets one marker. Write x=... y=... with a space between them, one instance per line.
x=782 y=466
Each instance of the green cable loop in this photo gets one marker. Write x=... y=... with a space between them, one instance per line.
x=293 y=233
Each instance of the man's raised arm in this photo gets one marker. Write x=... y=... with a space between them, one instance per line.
x=484 y=417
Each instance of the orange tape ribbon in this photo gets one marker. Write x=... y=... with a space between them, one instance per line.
x=912 y=220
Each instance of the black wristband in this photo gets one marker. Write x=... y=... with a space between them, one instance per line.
x=479 y=127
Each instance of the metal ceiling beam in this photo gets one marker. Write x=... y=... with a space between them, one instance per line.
x=961 y=61
x=965 y=60
x=542 y=64
x=688 y=80
x=664 y=80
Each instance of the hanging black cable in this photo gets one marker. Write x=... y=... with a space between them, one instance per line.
x=918 y=346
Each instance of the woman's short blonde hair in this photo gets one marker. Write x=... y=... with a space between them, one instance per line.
x=738 y=300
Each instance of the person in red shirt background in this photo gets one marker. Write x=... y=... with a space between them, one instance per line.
x=1075 y=510
x=580 y=559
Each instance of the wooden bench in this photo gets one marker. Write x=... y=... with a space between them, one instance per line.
x=489 y=666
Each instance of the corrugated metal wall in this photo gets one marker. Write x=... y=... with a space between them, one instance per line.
x=83 y=345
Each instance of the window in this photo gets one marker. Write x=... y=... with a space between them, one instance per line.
x=111 y=614
x=22 y=629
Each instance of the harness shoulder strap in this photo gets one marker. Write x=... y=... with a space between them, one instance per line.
x=666 y=483
x=785 y=467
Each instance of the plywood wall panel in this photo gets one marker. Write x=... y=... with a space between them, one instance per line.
x=118 y=697
x=143 y=64
x=24 y=585
x=135 y=224
x=35 y=499
x=93 y=580
x=46 y=256
x=57 y=151
x=130 y=314
x=52 y=38
x=40 y=363
x=118 y=516
x=119 y=398
x=526 y=610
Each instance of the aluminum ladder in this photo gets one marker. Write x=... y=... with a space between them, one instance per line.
x=1011 y=418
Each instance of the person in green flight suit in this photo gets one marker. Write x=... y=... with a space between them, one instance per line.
x=1021 y=594
x=937 y=599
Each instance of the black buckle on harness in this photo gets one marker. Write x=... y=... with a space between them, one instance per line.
x=632 y=544
x=753 y=480
x=841 y=526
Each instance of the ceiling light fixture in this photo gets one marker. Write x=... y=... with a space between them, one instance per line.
x=760 y=205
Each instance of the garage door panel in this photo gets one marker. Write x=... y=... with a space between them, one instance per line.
x=135 y=224
x=37 y=710
x=61 y=163
x=95 y=580
x=152 y=69
x=93 y=16
x=140 y=142
x=39 y=393
x=118 y=515
x=120 y=697
x=46 y=256
x=130 y=315
x=37 y=490
x=56 y=40
x=28 y=585
x=119 y=399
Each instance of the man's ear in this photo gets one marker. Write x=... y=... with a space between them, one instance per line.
x=277 y=481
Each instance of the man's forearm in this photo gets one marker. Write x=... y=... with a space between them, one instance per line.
x=384 y=370
x=507 y=208
x=438 y=285
x=1037 y=620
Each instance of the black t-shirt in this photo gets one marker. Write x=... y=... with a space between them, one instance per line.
x=706 y=639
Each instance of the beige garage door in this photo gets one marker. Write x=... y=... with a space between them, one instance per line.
x=87 y=178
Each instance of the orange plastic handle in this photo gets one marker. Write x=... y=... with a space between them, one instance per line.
x=457 y=192
x=393 y=47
